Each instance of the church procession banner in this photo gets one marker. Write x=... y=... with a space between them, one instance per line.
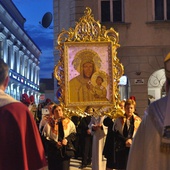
x=88 y=71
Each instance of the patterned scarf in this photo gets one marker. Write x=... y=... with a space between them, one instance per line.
x=54 y=124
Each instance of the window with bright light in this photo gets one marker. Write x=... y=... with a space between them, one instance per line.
x=15 y=61
x=162 y=10
x=9 y=56
x=26 y=68
x=111 y=10
x=21 y=65
x=1 y=49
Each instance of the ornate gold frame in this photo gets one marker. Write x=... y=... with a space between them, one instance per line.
x=88 y=32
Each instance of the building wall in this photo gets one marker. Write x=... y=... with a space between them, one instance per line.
x=144 y=43
x=19 y=51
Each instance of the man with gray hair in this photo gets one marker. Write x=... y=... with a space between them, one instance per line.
x=20 y=143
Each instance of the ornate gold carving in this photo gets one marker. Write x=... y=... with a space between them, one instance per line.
x=85 y=31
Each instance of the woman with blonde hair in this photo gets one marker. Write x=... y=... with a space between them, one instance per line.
x=125 y=128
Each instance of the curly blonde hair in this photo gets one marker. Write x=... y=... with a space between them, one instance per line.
x=130 y=102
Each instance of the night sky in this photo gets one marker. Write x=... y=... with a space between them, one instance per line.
x=33 y=11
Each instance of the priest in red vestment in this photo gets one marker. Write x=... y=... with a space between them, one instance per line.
x=20 y=143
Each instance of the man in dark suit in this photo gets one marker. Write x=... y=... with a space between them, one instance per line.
x=86 y=138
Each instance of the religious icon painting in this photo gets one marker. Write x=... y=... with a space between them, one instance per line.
x=88 y=73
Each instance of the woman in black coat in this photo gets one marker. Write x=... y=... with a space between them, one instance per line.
x=60 y=133
x=108 y=150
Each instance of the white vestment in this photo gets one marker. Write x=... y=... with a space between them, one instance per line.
x=98 y=161
x=145 y=151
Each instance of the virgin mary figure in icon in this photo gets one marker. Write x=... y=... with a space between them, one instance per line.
x=86 y=62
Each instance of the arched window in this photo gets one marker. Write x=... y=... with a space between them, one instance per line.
x=155 y=84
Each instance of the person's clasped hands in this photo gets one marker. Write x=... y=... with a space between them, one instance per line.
x=128 y=142
x=96 y=127
x=61 y=143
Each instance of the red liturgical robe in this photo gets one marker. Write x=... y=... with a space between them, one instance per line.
x=20 y=143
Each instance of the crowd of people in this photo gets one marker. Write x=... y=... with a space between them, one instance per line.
x=98 y=140
x=59 y=138
x=30 y=139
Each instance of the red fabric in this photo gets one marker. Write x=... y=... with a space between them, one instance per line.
x=133 y=98
x=48 y=101
x=25 y=99
x=20 y=143
x=32 y=99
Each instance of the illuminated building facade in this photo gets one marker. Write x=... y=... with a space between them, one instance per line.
x=20 y=53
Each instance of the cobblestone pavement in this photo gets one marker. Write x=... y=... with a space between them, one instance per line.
x=75 y=164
